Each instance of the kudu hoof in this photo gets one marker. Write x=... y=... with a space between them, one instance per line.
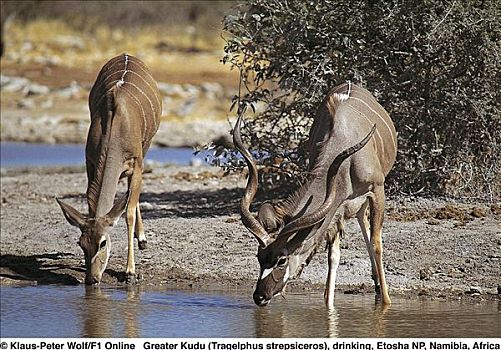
x=131 y=278
x=379 y=299
x=142 y=245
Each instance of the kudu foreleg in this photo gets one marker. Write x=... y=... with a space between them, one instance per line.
x=334 y=254
x=376 y=223
x=135 y=182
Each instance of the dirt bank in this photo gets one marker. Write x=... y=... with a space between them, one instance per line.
x=195 y=238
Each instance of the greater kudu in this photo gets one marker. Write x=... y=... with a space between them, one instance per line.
x=290 y=231
x=125 y=109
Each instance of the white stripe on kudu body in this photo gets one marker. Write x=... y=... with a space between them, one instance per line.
x=135 y=99
x=390 y=131
x=370 y=122
x=120 y=82
x=122 y=79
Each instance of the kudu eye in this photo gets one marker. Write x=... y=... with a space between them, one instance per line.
x=102 y=245
x=282 y=261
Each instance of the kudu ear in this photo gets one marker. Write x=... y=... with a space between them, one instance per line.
x=117 y=210
x=267 y=216
x=73 y=216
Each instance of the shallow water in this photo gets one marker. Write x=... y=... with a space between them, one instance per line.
x=17 y=154
x=77 y=311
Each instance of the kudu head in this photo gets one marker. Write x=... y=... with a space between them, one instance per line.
x=286 y=243
x=95 y=237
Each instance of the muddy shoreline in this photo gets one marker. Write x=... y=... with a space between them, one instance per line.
x=433 y=248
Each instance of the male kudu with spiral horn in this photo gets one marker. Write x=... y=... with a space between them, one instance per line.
x=345 y=180
x=125 y=109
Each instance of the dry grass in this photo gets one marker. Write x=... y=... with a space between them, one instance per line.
x=171 y=54
x=51 y=52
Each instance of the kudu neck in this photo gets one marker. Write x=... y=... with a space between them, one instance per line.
x=106 y=183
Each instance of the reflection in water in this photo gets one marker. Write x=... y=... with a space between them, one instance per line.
x=103 y=313
x=69 y=311
x=306 y=316
x=332 y=317
x=95 y=313
x=379 y=320
x=293 y=319
x=130 y=314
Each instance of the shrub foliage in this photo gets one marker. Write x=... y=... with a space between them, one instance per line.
x=434 y=65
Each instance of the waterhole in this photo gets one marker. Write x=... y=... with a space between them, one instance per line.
x=79 y=311
x=18 y=154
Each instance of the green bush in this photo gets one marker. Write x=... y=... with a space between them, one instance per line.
x=434 y=65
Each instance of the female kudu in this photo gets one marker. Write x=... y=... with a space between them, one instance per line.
x=125 y=109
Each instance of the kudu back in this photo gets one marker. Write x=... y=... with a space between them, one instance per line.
x=352 y=147
x=125 y=109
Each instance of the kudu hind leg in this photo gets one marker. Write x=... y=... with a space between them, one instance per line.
x=363 y=221
x=139 y=229
x=376 y=226
x=135 y=182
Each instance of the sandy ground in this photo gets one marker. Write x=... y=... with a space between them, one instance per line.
x=433 y=248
